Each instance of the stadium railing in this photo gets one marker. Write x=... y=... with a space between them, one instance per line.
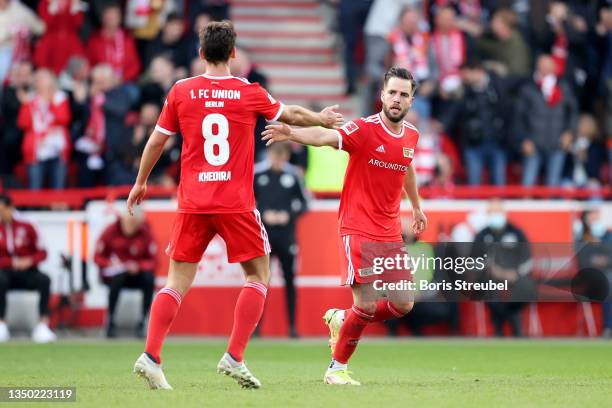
x=74 y=199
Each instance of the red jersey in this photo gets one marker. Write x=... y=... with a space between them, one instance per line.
x=216 y=117
x=114 y=249
x=374 y=179
x=19 y=239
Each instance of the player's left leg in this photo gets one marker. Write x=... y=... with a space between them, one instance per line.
x=247 y=243
x=163 y=311
x=355 y=321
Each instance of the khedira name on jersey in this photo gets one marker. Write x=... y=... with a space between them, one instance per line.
x=232 y=94
x=206 y=176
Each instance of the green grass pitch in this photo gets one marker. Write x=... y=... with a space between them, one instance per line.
x=413 y=373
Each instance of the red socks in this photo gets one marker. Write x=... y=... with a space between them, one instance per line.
x=355 y=321
x=163 y=311
x=249 y=307
x=385 y=311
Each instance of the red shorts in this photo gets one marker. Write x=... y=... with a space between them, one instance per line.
x=244 y=234
x=358 y=257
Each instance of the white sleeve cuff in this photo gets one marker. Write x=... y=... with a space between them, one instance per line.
x=339 y=139
x=281 y=108
x=164 y=131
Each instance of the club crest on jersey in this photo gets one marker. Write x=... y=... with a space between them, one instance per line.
x=408 y=152
x=350 y=127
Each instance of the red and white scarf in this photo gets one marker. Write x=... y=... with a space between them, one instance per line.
x=559 y=53
x=96 y=126
x=450 y=52
x=549 y=85
x=115 y=51
x=48 y=139
x=413 y=54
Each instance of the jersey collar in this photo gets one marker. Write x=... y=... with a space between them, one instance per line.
x=217 y=77
x=396 y=135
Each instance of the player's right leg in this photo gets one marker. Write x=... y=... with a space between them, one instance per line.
x=163 y=311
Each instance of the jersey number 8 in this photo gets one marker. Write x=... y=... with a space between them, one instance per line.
x=216 y=139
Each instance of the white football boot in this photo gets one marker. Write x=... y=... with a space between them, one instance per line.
x=151 y=372
x=238 y=371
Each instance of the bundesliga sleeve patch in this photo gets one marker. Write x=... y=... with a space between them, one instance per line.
x=350 y=127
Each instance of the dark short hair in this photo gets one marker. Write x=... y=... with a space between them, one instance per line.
x=217 y=40
x=402 y=73
x=6 y=200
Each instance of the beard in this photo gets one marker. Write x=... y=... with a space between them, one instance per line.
x=395 y=117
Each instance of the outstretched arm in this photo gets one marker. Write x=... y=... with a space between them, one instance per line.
x=152 y=151
x=313 y=136
x=296 y=115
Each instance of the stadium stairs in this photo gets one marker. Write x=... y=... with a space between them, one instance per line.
x=291 y=43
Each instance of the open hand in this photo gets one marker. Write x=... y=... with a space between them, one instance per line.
x=276 y=133
x=331 y=118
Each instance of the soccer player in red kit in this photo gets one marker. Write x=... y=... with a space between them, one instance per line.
x=216 y=114
x=381 y=148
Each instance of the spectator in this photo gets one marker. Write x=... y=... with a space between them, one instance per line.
x=382 y=18
x=74 y=80
x=61 y=39
x=432 y=145
x=11 y=136
x=546 y=118
x=17 y=24
x=170 y=43
x=481 y=119
x=126 y=255
x=281 y=198
x=504 y=45
x=44 y=119
x=589 y=153
x=20 y=255
x=594 y=252
x=449 y=51
x=146 y=18
x=114 y=46
x=509 y=262
x=91 y=143
x=193 y=40
x=161 y=75
x=410 y=49
x=565 y=35
x=242 y=66
x=353 y=15
x=125 y=167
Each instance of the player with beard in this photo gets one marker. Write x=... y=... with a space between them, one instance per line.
x=381 y=149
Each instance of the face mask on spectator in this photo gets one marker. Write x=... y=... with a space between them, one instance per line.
x=598 y=229
x=497 y=221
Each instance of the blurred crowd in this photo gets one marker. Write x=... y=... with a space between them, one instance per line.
x=510 y=91
x=82 y=84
